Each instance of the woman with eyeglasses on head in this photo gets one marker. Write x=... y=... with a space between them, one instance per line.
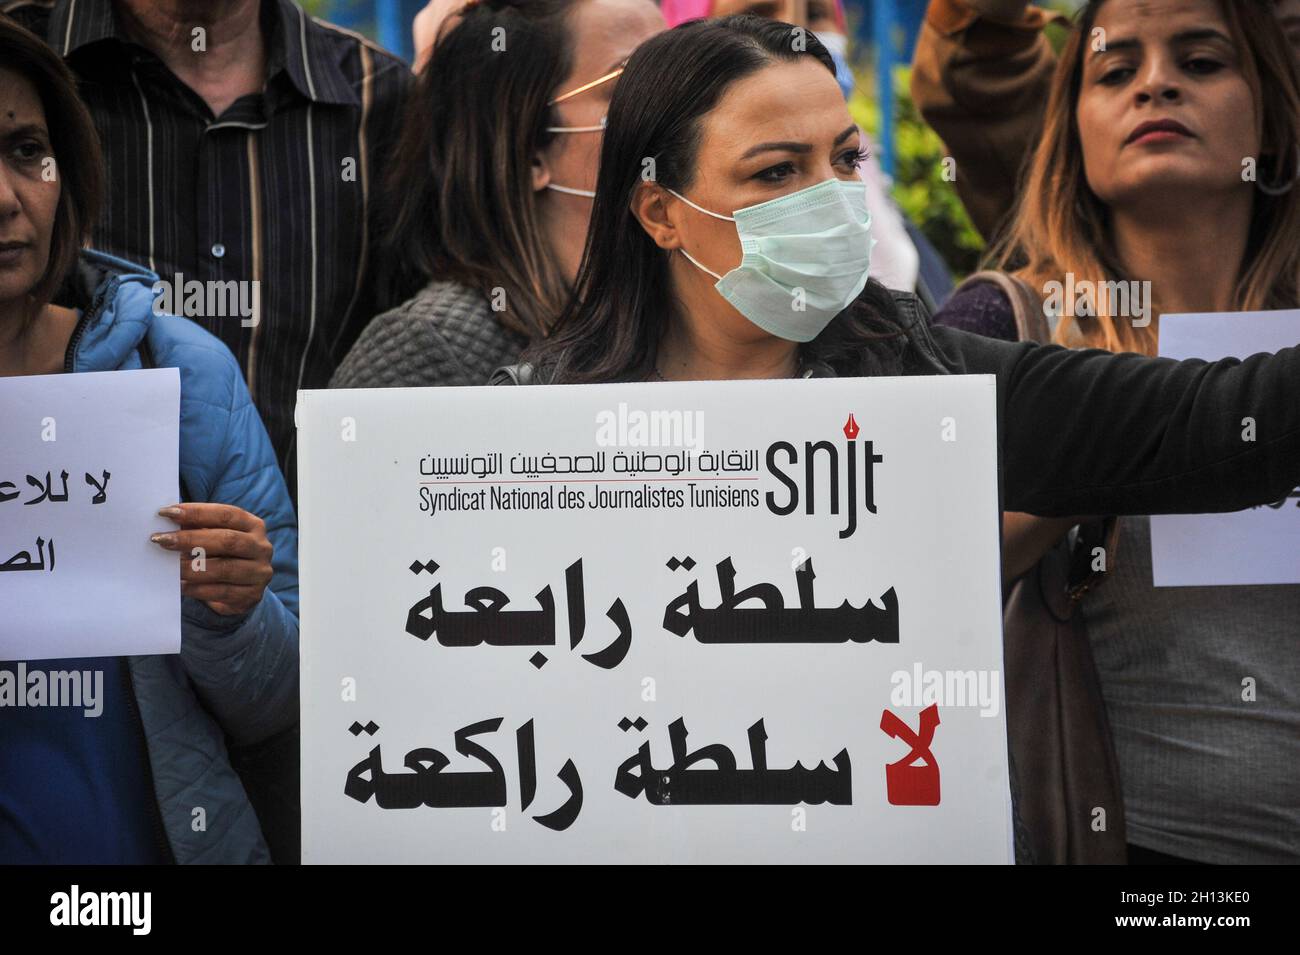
x=492 y=182
x=746 y=255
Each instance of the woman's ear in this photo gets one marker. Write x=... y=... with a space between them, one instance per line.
x=652 y=207
x=541 y=172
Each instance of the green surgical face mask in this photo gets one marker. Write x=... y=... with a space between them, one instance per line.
x=806 y=258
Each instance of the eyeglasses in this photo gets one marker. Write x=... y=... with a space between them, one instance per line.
x=612 y=74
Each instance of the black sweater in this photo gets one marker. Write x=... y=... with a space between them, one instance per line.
x=1092 y=432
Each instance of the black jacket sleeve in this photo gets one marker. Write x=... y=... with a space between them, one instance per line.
x=1091 y=432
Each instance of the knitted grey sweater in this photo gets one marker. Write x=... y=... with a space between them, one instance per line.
x=446 y=335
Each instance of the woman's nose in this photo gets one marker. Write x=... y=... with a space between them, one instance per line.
x=1159 y=81
x=1168 y=94
x=9 y=204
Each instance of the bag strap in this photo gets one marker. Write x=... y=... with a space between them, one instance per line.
x=520 y=374
x=1032 y=325
x=1083 y=576
x=1026 y=306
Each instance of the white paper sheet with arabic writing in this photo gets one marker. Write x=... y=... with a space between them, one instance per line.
x=88 y=460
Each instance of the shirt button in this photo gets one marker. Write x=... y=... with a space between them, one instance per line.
x=218 y=250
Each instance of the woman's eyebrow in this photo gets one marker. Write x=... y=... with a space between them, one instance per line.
x=26 y=129
x=1187 y=36
x=790 y=146
x=1208 y=33
x=787 y=146
x=1113 y=46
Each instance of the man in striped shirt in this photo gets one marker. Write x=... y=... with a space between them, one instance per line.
x=243 y=141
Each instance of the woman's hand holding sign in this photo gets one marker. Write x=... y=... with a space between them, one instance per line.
x=225 y=554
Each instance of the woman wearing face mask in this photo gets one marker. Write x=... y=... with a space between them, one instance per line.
x=903 y=257
x=755 y=181
x=492 y=185
x=1138 y=178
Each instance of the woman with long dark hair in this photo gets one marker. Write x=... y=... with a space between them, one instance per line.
x=728 y=240
x=491 y=185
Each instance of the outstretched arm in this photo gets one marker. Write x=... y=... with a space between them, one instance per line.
x=1091 y=432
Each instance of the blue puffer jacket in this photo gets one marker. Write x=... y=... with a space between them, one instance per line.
x=236 y=678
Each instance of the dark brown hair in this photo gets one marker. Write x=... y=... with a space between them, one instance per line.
x=623 y=297
x=460 y=187
x=76 y=151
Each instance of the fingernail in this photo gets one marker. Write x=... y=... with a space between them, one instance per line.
x=171 y=511
x=164 y=540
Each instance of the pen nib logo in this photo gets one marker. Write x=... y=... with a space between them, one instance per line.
x=851 y=428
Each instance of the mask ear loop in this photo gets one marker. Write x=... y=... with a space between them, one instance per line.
x=690 y=258
x=570 y=191
x=579 y=129
x=715 y=215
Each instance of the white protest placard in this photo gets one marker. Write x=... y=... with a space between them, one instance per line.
x=1260 y=545
x=88 y=461
x=749 y=621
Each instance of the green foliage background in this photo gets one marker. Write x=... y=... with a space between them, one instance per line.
x=919 y=186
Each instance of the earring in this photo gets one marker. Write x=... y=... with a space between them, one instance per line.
x=1281 y=190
